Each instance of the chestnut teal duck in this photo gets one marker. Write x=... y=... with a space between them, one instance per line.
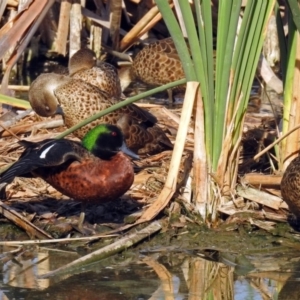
x=93 y=171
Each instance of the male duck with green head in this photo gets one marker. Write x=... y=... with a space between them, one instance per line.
x=94 y=171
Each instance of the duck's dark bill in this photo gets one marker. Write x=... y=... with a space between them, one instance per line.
x=128 y=152
x=59 y=110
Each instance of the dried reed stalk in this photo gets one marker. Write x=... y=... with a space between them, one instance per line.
x=134 y=32
x=75 y=28
x=115 y=22
x=150 y=25
x=261 y=179
x=170 y=184
x=25 y=25
x=292 y=141
x=60 y=44
x=200 y=173
x=95 y=39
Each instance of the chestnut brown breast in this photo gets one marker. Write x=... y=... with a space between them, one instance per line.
x=93 y=179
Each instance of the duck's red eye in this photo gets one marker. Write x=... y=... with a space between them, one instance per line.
x=114 y=133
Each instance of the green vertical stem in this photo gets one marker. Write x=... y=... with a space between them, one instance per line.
x=288 y=87
x=294 y=8
x=204 y=22
x=225 y=45
x=198 y=54
x=282 y=42
x=178 y=39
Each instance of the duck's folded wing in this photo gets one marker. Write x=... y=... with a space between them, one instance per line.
x=50 y=154
x=142 y=115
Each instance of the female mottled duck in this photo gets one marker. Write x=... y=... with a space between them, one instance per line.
x=156 y=64
x=78 y=100
x=290 y=186
x=83 y=65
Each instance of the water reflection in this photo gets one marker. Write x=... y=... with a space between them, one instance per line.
x=171 y=277
x=24 y=270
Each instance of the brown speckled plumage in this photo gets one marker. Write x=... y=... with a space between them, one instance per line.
x=158 y=63
x=83 y=65
x=290 y=186
x=79 y=100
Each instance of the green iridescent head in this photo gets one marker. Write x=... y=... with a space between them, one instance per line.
x=106 y=140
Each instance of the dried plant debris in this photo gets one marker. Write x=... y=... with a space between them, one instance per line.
x=254 y=140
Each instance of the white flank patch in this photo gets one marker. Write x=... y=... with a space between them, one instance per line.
x=43 y=154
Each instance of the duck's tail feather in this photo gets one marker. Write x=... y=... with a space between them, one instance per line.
x=2 y=191
x=19 y=168
x=143 y=116
x=28 y=144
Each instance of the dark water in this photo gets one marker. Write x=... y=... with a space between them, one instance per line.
x=172 y=276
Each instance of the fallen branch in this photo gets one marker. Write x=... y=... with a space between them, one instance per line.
x=31 y=127
x=261 y=197
x=261 y=179
x=107 y=251
x=52 y=241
